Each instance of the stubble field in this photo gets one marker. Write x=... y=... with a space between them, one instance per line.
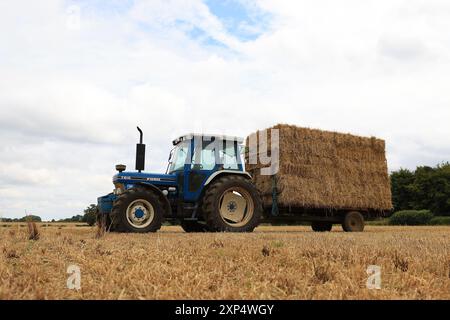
x=271 y=263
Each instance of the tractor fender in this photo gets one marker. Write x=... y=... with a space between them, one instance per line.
x=162 y=197
x=223 y=172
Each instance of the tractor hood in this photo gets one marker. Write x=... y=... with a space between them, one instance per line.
x=148 y=178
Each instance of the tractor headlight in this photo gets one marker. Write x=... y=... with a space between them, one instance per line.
x=119 y=188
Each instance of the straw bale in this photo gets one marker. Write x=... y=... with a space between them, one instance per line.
x=323 y=169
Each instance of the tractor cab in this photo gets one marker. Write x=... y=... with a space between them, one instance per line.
x=197 y=158
x=201 y=168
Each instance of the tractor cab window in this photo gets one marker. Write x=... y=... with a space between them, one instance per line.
x=229 y=155
x=204 y=155
x=209 y=153
x=178 y=156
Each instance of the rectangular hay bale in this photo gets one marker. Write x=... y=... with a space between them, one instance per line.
x=323 y=169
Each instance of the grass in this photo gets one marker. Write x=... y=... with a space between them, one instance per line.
x=33 y=231
x=271 y=263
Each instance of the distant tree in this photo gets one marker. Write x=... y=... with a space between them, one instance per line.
x=402 y=192
x=439 y=189
x=425 y=188
x=90 y=215
x=77 y=218
x=30 y=218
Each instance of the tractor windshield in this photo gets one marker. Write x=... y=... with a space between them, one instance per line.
x=178 y=156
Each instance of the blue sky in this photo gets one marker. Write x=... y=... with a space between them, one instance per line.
x=243 y=20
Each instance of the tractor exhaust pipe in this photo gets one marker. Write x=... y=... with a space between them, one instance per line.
x=140 y=152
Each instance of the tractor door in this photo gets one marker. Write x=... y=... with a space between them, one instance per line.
x=203 y=164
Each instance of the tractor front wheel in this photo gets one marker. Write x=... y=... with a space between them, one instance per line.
x=232 y=204
x=137 y=210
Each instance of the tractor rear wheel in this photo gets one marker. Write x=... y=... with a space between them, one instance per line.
x=137 y=210
x=193 y=226
x=353 y=222
x=232 y=204
x=321 y=226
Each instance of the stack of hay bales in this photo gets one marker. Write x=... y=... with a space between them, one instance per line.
x=322 y=169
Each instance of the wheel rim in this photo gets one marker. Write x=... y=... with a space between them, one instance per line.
x=355 y=225
x=140 y=213
x=236 y=207
x=355 y=222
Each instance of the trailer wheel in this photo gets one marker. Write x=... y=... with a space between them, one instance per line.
x=232 y=204
x=353 y=222
x=137 y=210
x=193 y=226
x=321 y=226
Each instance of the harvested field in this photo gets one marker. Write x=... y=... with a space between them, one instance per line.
x=323 y=169
x=271 y=263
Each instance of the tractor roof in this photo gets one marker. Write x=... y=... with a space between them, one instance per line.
x=207 y=137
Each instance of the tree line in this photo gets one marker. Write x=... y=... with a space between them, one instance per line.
x=31 y=218
x=88 y=217
x=426 y=188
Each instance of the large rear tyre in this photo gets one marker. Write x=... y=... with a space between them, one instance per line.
x=321 y=226
x=353 y=222
x=137 y=210
x=193 y=226
x=232 y=204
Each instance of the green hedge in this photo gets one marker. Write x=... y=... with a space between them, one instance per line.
x=411 y=218
x=440 y=221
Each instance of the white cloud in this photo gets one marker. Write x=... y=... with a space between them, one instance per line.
x=70 y=98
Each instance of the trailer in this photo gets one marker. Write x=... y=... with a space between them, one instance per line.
x=321 y=177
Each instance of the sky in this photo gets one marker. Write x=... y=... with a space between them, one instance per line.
x=77 y=77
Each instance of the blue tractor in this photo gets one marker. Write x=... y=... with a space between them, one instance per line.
x=205 y=188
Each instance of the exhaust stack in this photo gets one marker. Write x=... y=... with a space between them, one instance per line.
x=140 y=152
